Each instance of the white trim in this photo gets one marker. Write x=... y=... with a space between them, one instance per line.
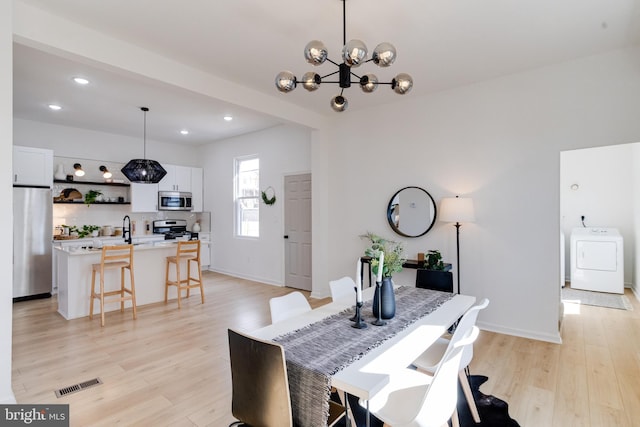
x=552 y=338
x=247 y=277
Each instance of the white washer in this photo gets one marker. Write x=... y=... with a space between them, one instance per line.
x=597 y=262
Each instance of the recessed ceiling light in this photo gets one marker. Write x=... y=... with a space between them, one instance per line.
x=228 y=118
x=81 y=80
x=55 y=107
x=184 y=132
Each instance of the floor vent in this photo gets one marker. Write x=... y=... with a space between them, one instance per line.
x=78 y=387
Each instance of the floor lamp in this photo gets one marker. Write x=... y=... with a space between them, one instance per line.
x=458 y=210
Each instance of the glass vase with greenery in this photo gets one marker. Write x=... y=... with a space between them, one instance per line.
x=393 y=254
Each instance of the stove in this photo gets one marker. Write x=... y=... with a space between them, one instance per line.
x=171 y=228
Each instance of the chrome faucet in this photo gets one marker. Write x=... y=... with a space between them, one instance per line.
x=126 y=230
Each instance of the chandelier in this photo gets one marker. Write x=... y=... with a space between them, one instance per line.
x=354 y=54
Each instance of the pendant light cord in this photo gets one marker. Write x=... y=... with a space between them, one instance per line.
x=344 y=22
x=144 y=133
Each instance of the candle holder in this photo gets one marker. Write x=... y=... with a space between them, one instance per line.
x=359 y=324
x=353 y=318
x=379 y=321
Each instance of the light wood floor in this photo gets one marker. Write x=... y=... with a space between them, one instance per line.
x=170 y=367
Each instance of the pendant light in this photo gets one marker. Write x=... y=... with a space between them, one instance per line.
x=144 y=171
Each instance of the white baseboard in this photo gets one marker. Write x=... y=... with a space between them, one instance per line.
x=246 y=277
x=552 y=338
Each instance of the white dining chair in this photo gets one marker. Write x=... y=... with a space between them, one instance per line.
x=342 y=288
x=413 y=399
x=428 y=361
x=288 y=306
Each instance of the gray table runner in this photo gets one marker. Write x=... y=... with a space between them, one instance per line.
x=317 y=351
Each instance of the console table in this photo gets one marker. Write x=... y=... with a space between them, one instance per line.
x=439 y=280
x=415 y=264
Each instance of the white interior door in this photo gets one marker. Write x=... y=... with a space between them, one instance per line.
x=297 y=231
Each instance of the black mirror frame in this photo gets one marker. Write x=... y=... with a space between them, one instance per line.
x=390 y=213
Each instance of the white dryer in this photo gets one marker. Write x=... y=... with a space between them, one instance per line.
x=597 y=262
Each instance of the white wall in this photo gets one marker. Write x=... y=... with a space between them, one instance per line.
x=6 y=214
x=283 y=150
x=605 y=196
x=498 y=142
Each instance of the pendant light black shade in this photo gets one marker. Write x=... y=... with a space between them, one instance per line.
x=144 y=171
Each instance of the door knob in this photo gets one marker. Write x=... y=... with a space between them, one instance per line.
x=286 y=236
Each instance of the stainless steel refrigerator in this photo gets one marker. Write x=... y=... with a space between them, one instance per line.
x=32 y=231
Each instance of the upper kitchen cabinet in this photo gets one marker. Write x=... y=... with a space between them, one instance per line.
x=197 y=179
x=144 y=197
x=178 y=178
x=32 y=166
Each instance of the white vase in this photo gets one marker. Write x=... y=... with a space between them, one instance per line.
x=60 y=173
x=196 y=227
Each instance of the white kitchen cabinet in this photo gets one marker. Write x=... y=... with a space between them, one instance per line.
x=144 y=197
x=32 y=166
x=197 y=177
x=205 y=250
x=178 y=178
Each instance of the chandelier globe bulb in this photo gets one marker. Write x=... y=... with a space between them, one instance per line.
x=311 y=81
x=354 y=53
x=315 y=52
x=402 y=83
x=384 y=54
x=369 y=83
x=286 y=81
x=339 y=103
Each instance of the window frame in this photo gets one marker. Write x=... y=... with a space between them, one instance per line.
x=239 y=199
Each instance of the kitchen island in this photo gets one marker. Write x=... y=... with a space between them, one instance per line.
x=74 y=277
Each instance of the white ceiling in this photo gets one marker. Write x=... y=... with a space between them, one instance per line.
x=442 y=44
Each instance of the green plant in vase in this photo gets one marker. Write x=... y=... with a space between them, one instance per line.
x=85 y=230
x=90 y=197
x=384 y=304
x=433 y=260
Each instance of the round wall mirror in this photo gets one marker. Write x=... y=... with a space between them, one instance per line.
x=411 y=212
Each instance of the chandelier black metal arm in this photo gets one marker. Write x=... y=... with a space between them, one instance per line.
x=354 y=54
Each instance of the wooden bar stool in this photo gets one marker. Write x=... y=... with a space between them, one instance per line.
x=188 y=251
x=113 y=257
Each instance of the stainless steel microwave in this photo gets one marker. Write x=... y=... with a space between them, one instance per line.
x=174 y=201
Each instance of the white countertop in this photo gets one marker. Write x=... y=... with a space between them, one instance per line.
x=89 y=246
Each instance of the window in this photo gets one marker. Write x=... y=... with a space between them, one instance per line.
x=247 y=196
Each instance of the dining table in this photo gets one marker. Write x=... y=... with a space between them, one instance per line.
x=324 y=350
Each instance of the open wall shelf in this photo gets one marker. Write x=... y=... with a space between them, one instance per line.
x=108 y=184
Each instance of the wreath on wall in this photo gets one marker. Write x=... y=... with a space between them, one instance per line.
x=269 y=200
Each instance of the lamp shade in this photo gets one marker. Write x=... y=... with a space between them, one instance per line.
x=457 y=209
x=144 y=171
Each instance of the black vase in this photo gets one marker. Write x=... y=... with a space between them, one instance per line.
x=387 y=299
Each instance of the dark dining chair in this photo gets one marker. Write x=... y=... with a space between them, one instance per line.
x=260 y=385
